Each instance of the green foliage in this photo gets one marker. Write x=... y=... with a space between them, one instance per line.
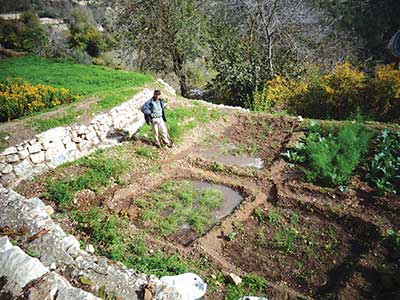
x=331 y=160
x=252 y=285
x=286 y=237
x=96 y=171
x=174 y=204
x=43 y=124
x=112 y=239
x=181 y=119
x=24 y=34
x=394 y=238
x=80 y=79
x=384 y=166
x=240 y=64
x=147 y=152
x=341 y=93
x=84 y=36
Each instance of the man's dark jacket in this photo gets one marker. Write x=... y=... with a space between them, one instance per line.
x=147 y=109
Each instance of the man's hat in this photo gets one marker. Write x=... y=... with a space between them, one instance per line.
x=157 y=92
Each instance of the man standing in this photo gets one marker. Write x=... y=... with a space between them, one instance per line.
x=154 y=114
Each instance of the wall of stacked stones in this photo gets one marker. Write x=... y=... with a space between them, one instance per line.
x=59 y=145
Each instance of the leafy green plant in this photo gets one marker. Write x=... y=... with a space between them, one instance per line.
x=394 y=238
x=384 y=166
x=287 y=236
x=98 y=170
x=329 y=157
x=252 y=285
x=174 y=204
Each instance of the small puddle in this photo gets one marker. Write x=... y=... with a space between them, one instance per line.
x=231 y=199
x=222 y=155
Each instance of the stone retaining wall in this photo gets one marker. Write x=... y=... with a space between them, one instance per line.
x=56 y=146
x=58 y=251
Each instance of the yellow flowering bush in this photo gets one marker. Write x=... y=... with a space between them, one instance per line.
x=19 y=98
x=384 y=102
x=339 y=94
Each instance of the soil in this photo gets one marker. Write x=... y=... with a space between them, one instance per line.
x=338 y=247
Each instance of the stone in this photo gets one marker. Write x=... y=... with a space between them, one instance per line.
x=91 y=135
x=22 y=168
x=33 y=141
x=235 y=279
x=12 y=158
x=89 y=248
x=24 y=153
x=8 y=180
x=7 y=169
x=77 y=140
x=53 y=135
x=67 y=140
x=188 y=285
x=2 y=158
x=37 y=158
x=53 y=266
x=70 y=146
x=49 y=210
x=11 y=150
x=2 y=166
x=85 y=145
x=18 y=268
x=35 y=148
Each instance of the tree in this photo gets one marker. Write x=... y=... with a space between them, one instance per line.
x=165 y=34
x=272 y=37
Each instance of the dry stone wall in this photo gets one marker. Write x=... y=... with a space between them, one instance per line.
x=56 y=146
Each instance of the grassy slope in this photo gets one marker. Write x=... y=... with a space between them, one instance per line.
x=110 y=86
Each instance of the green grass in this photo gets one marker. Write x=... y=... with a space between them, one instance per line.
x=96 y=171
x=80 y=79
x=111 y=236
x=252 y=285
x=174 y=204
x=181 y=119
x=46 y=124
x=111 y=87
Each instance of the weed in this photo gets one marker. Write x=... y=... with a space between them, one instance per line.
x=275 y=218
x=251 y=285
x=147 y=152
x=43 y=124
x=260 y=215
x=177 y=203
x=98 y=170
x=231 y=235
x=394 y=238
x=239 y=226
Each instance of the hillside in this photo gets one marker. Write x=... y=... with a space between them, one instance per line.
x=222 y=200
x=97 y=89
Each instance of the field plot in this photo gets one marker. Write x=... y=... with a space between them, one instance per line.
x=226 y=200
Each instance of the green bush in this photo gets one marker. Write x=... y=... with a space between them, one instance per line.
x=384 y=166
x=331 y=159
x=25 y=34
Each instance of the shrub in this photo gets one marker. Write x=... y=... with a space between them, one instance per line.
x=19 y=98
x=339 y=94
x=330 y=159
x=384 y=102
x=384 y=166
x=25 y=34
x=85 y=36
